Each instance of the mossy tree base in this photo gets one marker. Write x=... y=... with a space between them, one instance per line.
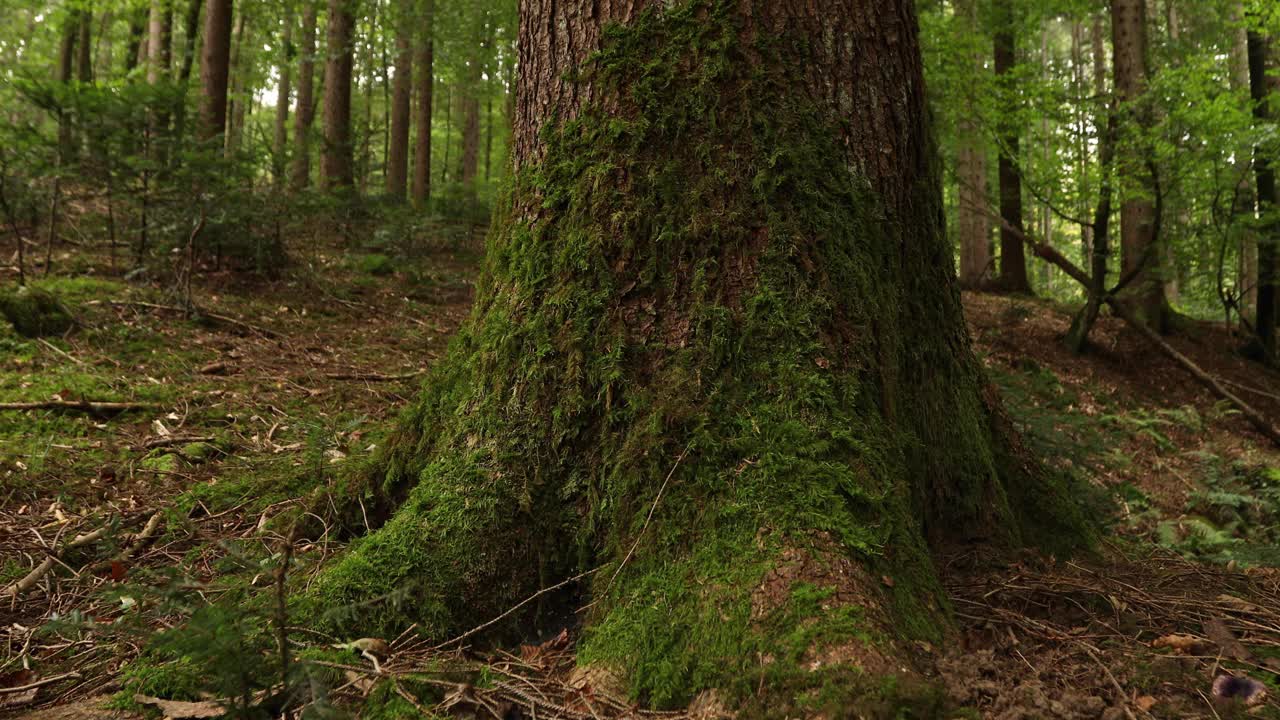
x=717 y=353
x=35 y=313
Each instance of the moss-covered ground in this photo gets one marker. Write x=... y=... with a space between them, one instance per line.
x=1182 y=480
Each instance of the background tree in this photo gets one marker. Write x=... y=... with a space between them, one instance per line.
x=337 y=169
x=425 y=62
x=215 y=68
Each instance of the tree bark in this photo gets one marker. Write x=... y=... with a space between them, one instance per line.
x=284 y=90
x=1243 y=213
x=304 y=115
x=1138 y=211
x=66 y=68
x=215 y=66
x=84 y=47
x=1268 y=201
x=239 y=94
x=337 y=166
x=191 y=38
x=402 y=97
x=971 y=168
x=1013 y=259
x=426 y=87
x=717 y=362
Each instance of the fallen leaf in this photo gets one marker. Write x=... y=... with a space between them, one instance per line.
x=1181 y=644
x=1145 y=703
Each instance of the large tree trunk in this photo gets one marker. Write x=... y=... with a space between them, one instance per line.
x=1013 y=258
x=402 y=97
x=337 y=162
x=1138 y=211
x=1268 y=200
x=304 y=115
x=215 y=65
x=426 y=87
x=971 y=169
x=718 y=353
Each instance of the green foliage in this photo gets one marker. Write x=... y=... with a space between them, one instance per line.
x=1236 y=518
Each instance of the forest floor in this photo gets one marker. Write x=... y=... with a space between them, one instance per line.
x=142 y=517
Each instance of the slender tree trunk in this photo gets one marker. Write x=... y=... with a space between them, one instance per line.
x=239 y=95
x=402 y=97
x=971 y=168
x=1138 y=212
x=137 y=32
x=1013 y=259
x=84 y=47
x=283 y=91
x=426 y=87
x=717 y=367
x=469 y=160
x=448 y=131
x=337 y=167
x=215 y=65
x=191 y=35
x=305 y=112
x=66 y=68
x=1260 y=63
x=1244 y=212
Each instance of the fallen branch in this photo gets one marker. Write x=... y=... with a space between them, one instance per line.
x=1257 y=419
x=222 y=319
x=95 y=407
x=172 y=440
x=29 y=580
x=373 y=377
x=40 y=683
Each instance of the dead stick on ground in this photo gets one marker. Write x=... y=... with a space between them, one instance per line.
x=1053 y=256
x=211 y=315
x=30 y=579
x=40 y=683
x=172 y=440
x=514 y=608
x=89 y=406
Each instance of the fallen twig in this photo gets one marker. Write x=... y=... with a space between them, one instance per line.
x=96 y=407
x=172 y=440
x=223 y=319
x=40 y=683
x=25 y=583
x=373 y=377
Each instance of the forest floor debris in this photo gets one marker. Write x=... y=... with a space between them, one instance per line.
x=1179 y=596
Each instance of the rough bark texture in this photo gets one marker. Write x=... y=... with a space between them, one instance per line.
x=1013 y=257
x=305 y=113
x=402 y=98
x=215 y=66
x=1268 y=200
x=66 y=67
x=337 y=162
x=971 y=167
x=1246 y=238
x=426 y=86
x=284 y=90
x=718 y=351
x=239 y=95
x=1138 y=211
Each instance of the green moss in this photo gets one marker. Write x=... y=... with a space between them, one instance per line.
x=35 y=313
x=690 y=369
x=163 y=462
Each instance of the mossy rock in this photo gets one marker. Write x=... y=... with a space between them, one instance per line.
x=36 y=313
